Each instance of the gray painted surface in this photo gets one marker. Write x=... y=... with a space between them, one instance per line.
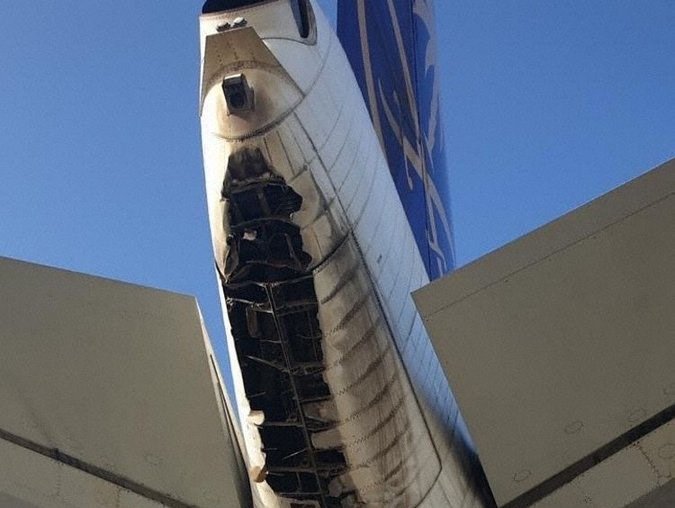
x=562 y=341
x=663 y=497
x=38 y=481
x=7 y=501
x=117 y=377
x=640 y=470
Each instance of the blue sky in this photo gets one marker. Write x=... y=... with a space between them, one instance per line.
x=546 y=106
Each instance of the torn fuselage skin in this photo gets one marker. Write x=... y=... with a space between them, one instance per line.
x=272 y=309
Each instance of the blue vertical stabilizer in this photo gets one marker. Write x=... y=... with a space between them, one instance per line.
x=391 y=45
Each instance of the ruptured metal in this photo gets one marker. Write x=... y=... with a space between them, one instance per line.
x=272 y=307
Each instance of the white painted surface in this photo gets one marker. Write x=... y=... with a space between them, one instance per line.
x=117 y=376
x=563 y=340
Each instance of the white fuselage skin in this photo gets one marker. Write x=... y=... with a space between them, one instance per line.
x=390 y=410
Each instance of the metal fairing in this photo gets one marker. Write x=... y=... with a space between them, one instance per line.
x=391 y=45
x=317 y=262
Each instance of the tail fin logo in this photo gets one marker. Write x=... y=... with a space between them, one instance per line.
x=400 y=83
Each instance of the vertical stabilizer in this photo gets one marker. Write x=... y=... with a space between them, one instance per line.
x=391 y=45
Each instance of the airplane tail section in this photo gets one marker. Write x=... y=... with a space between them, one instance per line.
x=391 y=45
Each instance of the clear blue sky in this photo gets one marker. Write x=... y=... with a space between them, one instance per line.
x=547 y=104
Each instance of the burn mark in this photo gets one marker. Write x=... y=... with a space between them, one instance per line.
x=272 y=306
